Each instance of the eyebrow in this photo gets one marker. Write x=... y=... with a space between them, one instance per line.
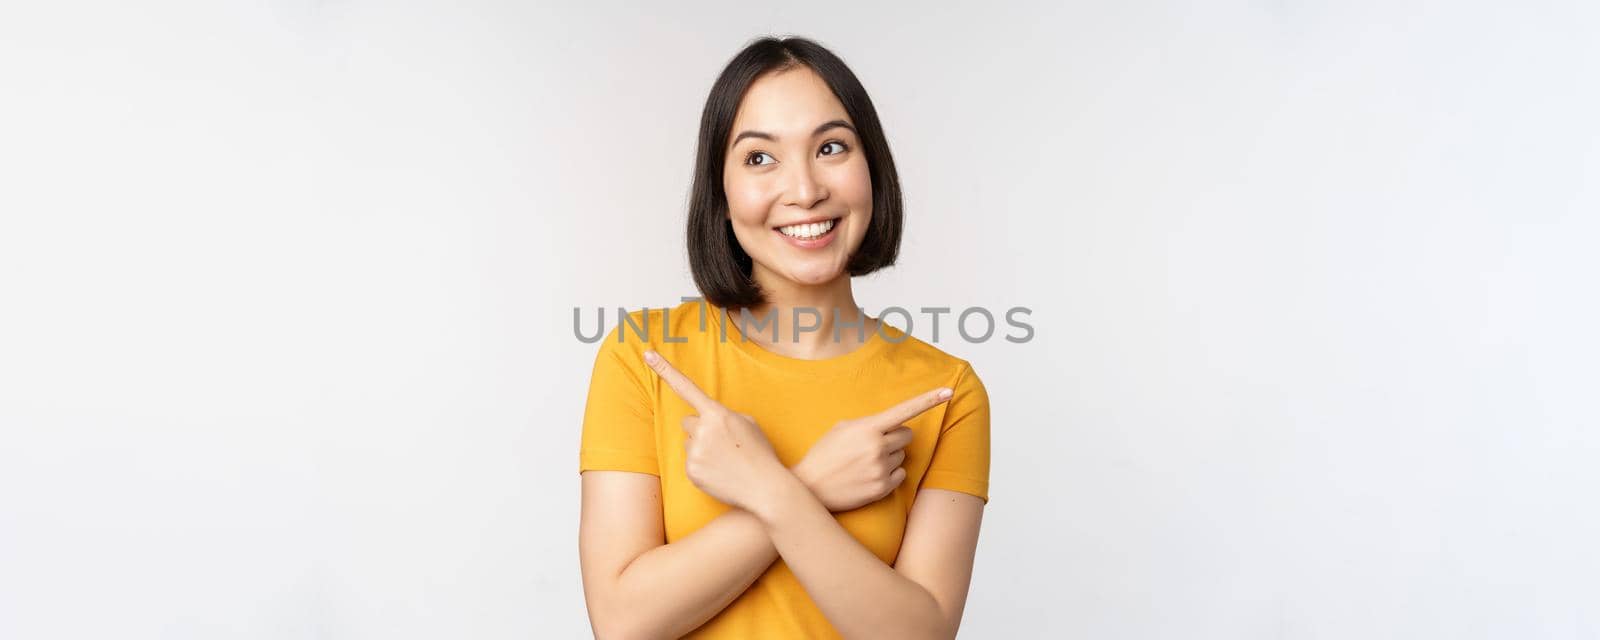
x=831 y=124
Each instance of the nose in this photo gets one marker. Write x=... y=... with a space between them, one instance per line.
x=803 y=189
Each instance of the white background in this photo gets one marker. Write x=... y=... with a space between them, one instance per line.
x=286 y=346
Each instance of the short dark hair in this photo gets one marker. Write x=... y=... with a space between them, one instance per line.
x=722 y=269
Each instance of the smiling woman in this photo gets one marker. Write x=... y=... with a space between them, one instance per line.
x=802 y=484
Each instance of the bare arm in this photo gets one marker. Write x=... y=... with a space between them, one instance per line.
x=922 y=596
x=636 y=585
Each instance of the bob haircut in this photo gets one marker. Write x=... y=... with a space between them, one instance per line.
x=722 y=269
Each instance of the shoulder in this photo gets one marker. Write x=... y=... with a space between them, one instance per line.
x=966 y=413
x=619 y=365
x=917 y=358
x=661 y=329
x=914 y=354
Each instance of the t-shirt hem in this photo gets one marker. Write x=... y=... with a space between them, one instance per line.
x=607 y=460
x=953 y=482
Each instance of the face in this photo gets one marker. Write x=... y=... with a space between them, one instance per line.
x=799 y=191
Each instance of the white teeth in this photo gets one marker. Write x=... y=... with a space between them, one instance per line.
x=807 y=231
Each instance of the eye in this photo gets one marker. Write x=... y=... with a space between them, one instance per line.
x=756 y=154
x=835 y=143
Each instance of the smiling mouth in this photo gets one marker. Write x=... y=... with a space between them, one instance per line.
x=810 y=231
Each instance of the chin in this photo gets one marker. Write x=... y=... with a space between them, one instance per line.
x=813 y=278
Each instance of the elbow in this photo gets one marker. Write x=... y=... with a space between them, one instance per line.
x=942 y=632
x=922 y=628
x=619 y=629
x=950 y=628
x=619 y=632
x=946 y=624
x=617 y=623
x=924 y=633
x=611 y=616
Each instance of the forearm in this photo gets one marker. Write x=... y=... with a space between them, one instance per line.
x=670 y=590
x=860 y=595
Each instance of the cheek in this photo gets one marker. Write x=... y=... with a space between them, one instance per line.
x=747 y=209
x=747 y=201
x=854 y=187
x=859 y=196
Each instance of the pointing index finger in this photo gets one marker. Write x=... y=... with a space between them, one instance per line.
x=896 y=415
x=681 y=384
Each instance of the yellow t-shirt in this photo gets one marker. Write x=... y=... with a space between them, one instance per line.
x=632 y=422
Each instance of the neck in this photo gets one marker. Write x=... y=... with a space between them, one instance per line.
x=821 y=307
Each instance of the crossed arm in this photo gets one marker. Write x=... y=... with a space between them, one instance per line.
x=638 y=586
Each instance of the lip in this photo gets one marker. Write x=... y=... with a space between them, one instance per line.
x=810 y=220
x=814 y=243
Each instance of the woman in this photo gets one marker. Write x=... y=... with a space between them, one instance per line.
x=825 y=479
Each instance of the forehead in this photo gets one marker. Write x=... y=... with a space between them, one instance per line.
x=788 y=103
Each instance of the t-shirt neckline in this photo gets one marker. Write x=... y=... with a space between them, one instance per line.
x=844 y=363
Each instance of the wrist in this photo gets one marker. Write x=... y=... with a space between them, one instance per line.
x=777 y=493
x=802 y=472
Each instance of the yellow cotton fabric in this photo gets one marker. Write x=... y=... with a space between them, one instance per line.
x=632 y=422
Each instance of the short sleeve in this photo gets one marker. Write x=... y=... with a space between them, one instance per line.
x=961 y=456
x=618 y=419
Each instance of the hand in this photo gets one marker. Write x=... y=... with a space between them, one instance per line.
x=727 y=455
x=858 y=461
